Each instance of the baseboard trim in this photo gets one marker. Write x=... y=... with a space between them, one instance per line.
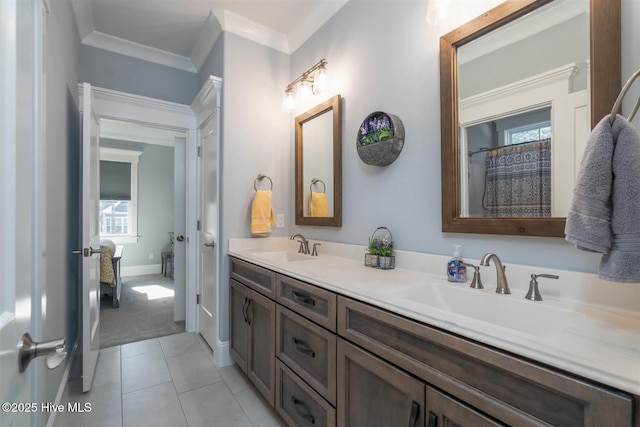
x=63 y=384
x=140 y=270
x=222 y=355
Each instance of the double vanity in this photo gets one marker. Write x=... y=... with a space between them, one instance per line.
x=328 y=341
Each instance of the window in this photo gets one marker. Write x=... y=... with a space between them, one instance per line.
x=529 y=133
x=119 y=194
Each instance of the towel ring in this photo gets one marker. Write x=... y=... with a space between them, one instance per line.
x=623 y=92
x=315 y=181
x=260 y=178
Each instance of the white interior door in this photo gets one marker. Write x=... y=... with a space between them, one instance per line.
x=90 y=238
x=20 y=210
x=179 y=227
x=208 y=234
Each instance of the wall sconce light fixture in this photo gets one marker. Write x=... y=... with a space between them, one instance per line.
x=311 y=82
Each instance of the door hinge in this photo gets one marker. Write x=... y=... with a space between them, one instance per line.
x=200 y=151
x=198 y=299
x=198 y=225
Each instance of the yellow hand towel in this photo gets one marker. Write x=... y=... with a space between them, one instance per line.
x=262 y=219
x=318 y=205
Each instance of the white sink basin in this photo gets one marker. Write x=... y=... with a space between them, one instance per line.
x=282 y=256
x=508 y=311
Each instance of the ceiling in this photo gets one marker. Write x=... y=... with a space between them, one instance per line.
x=181 y=33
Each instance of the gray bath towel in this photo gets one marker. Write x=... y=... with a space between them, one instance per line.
x=605 y=211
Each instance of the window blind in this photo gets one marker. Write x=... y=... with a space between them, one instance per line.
x=115 y=180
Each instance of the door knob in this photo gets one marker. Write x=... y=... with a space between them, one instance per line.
x=87 y=252
x=210 y=245
x=54 y=350
x=180 y=238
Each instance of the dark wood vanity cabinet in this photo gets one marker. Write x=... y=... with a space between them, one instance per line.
x=373 y=393
x=509 y=389
x=323 y=359
x=253 y=337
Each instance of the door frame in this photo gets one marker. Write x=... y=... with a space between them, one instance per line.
x=207 y=107
x=126 y=107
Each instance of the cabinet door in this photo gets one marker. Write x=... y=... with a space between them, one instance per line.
x=443 y=411
x=239 y=328
x=261 y=318
x=372 y=393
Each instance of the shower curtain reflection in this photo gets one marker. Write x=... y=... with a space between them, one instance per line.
x=518 y=181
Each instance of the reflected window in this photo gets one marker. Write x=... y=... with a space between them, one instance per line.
x=528 y=133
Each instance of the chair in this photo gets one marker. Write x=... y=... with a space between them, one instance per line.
x=166 y=259
x=110 y=279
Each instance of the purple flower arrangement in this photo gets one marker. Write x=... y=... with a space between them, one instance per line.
x=382 y=246
x=375 y=128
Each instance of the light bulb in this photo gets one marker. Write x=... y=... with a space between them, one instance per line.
x=437 y=11
x=320 y=81
x=288 y=103
x=304 y=92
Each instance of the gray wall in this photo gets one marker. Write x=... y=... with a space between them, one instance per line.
x=214 y=64
x=256 y=140
x=62 y=186
x=394 y=68
x=132 y=75
x=155 y=202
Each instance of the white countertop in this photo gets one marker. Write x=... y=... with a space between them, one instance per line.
x=599 y=340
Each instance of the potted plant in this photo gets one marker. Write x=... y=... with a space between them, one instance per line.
x=372 y=258
x=386 y=260
x=380 y=249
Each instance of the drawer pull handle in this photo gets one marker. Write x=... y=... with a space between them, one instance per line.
x=415 y=410
x=304 y=299
x=302 y=410
x=433 y=420
x=303 y=347
x=244 y=309
x=249 y=318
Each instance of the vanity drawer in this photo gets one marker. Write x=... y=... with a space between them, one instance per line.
x=314 y=303
x=257 y=278
x=298 y=404
x=308 y=350
x=511 y=389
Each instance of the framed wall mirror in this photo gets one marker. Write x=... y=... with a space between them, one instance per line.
x=521 y=88
x=318 y=135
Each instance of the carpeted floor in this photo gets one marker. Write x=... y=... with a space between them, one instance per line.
x=146 y=311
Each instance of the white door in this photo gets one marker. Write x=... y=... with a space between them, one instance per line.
x=20 y=210
x=208 y=234
x=90 y=238
x=179 y=229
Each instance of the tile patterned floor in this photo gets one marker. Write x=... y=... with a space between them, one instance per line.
x=169 y=381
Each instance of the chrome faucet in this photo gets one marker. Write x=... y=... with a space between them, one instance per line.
x=503 y=285
x=304 y=244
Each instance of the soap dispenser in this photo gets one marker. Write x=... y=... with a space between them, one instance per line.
x=456 y=270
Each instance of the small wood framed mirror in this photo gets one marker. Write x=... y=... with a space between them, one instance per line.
x=318 y=134
x=527 y=78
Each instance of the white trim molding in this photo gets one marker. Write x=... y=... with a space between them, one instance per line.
x=207 y=102
x=116 y=105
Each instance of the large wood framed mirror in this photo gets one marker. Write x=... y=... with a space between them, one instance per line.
x=318 y=134
x=521 y=87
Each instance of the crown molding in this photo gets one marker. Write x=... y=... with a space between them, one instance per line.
x=84 y=17
x=251 y=30
x=137 y=50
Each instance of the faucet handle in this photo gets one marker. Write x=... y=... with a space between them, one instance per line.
x=476 y=283
x=534 y=292
x=315 y=249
